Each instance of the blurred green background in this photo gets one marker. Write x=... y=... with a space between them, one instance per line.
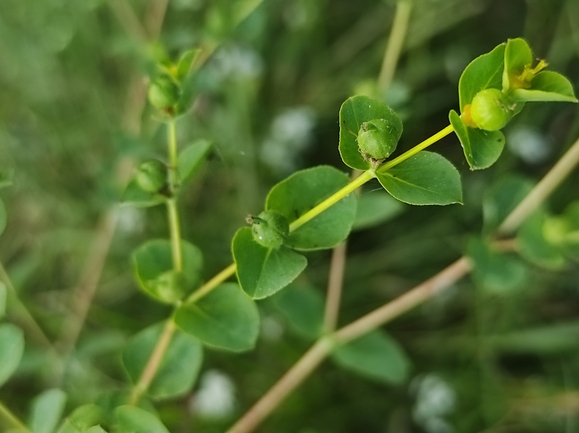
x=72 y=119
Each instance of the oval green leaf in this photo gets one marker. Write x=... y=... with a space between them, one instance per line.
x=153 y=267
x=376 y=356
x=226 y=318
x=186 y=61
x=191 y=158
x=302 y=191
x=424 y=179
x=82 y=419
x=355 y=111
x=3 y=217
x=546 y=86
x=135 y=196
x=375 y=208
x=179 y=368
x=46 y=411
x=484 y=72
x=11 y=350
x=533 y=246
x=496 y=273
x=481 y=148
x=517 y=55
x=263 y=271
x=303 y=308
x=133 y=419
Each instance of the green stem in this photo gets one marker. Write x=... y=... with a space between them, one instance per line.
x=172 y=213
x=211 y=284
x=154 y=362
x=394 y=46
x=11 y=419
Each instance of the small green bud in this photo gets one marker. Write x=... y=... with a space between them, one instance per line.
x=163 y=92
x=169 y=286
x=491 y=109
x=377 y=138
x=269 y=228
x=151 y=175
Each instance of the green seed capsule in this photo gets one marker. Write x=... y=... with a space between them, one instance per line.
x=491 y=109
x=269 y=228
x=151 y=175
x=163 y=92
x=377 y=138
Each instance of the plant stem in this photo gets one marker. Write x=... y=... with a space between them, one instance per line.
x=11 y=419
x=542 y=190
x=418 y=148
x=396 y=307
x=172 y=212
x=335 y=283
x=289 y=381
x=154 y=362
x=211 y=284
x=394 y=46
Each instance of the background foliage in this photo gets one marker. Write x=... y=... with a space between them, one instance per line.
x=269 y=100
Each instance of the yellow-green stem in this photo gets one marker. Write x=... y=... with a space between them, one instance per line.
x=172 y=213
x=418 y=148
x=11 y=419
x=175 y=234
x=211 y=284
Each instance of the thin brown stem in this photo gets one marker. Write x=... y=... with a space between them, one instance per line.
x=84 y=294
x=153 y=363
x=542 y=190
x=395 y=43
x=335 y=284
x=289 y=381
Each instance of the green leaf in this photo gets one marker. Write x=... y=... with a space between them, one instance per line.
x=179 y=368
x=423 y=179
x=502 y=198
x=3 y=299
x=96 y=429
x=546 y=86
x=375 y=208
x=495 y=272
x=263 y=271
x=518 y=54
x=131 y=419
x=302 y=191
x=82 y=419
x=533 y=246
x=355 y=111
x=191 y=158
x=481 y=148
x=376 y=356
x=226 y=318
x=3 y=217
x=186 y=62
x=135 y=196
x=6 y=175
x=303 y=308
x=543 y=340
x=46 y=411
x=153 y=267
x=11 y=350
x=484 y=72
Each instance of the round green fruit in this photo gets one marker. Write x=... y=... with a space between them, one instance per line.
x=269 y=228
x=163 y=92
x=378 y=138
x=151 y=175
x=491 y=109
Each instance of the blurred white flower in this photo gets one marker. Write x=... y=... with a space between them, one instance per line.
x=215 y=397
x=290 y=134
x=434 y=399
x=528 y=144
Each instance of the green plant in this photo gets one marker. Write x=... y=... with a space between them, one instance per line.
x=312 y=209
